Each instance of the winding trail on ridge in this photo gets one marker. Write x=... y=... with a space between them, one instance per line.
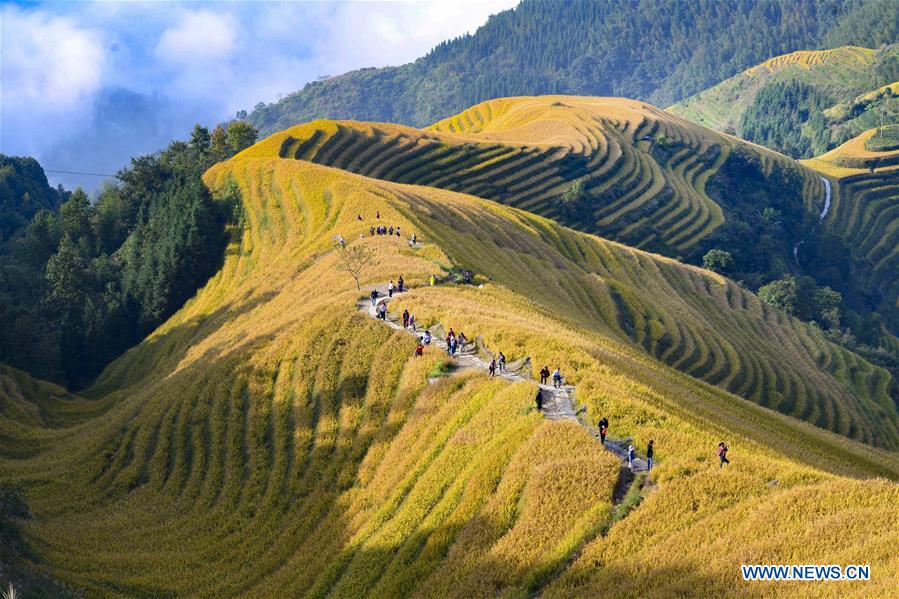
x=558 y=403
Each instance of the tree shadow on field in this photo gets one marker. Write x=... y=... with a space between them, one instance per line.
x=415 y=565
x=161 y=353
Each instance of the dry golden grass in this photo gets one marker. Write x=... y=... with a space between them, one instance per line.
x=852 y=158
x=810 y=59
x=528 y=151
x=270 y=439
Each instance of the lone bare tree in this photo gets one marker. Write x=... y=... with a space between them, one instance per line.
x=353 y=259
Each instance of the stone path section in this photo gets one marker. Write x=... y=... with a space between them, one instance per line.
x=558 y=403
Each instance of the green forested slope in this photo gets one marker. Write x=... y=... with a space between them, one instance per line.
x=654 y=50
x=804 y=103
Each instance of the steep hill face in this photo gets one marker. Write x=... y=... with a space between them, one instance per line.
x=658 y=51
x=865 y=215
x=804 y=103
x=620 y=168
x=271 y=439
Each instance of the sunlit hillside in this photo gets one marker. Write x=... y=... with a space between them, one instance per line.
x=271 y=439
x=833 y=95
x=721 y=106
x=643 y=176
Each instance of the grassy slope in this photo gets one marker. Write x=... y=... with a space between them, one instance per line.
x=516 y=150
x=270 y=439
x=845 y=74
x=644 y=171
x=866 y=110
x=836 y=71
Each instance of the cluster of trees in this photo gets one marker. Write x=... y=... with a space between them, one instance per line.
x=81 y=283
x=800 y=297
x=655 y=50
x=766 y=218
x=823 y=306
x=789 y=117
x=23 y=191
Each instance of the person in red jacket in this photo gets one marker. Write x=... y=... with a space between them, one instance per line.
x=722 y=454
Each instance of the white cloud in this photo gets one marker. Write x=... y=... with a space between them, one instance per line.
x=208 y=58
x=47 y=60
x=198 y=36
x=392 y=33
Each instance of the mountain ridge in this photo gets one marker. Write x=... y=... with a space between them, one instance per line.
x=645 y=50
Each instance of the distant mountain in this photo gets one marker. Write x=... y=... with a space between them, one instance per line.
x=804 y=103
x=655 y=50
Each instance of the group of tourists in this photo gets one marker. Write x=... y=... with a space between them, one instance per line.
x=398 y=288
x=388 y=230
x=556 y=374
x=454 y=342
x=408 y=320
x=384 y=230
x=632 y=455
x=498 y=363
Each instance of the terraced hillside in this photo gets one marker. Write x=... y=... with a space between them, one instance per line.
x=271 y=440
x=643 y=173
x=836 y=94
x=865 y=213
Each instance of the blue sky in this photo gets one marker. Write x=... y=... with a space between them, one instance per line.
x=190 y=61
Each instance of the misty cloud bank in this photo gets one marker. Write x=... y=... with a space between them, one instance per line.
x=86 y=86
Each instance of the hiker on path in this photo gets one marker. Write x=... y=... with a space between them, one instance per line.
x=398 y=232
x=544 y=375
x=374 y=296
x=451 y=346
x=378 y=214
x=631 y=454
x=372 y=231
x=401 y=284
x=492 y=368
x=722 y=454
x=419 y=349
x=649 y=456
x=502 y=362
x=391 y=230
x=382 y=311
x=539 y=399
x=412 y=322
x=390 y=289
x=414 y=239
x=405 y=319
x=426 y=338
x=557 y=378
x=603 y=429
x=462 y=339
